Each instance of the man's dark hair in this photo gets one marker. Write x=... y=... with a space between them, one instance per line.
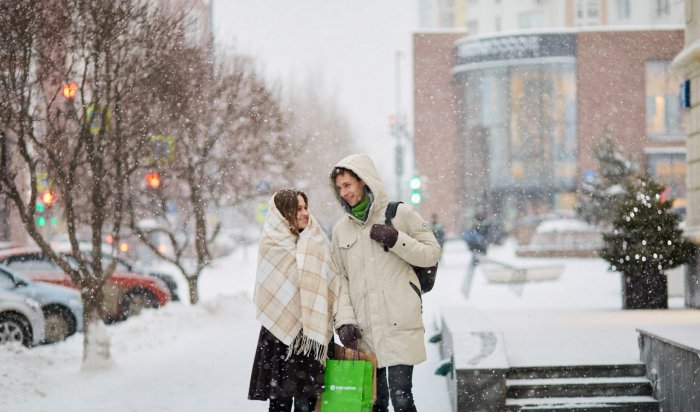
x=341 y=171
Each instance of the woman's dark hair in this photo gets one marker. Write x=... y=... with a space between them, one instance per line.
x=287 y=203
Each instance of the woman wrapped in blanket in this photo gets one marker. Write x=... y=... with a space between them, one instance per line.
x=295 y=298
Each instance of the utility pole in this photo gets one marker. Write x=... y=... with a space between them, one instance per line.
x=398 y=130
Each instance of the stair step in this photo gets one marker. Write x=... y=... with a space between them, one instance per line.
x=578 y=387
x=585 y=404
x=577 y=371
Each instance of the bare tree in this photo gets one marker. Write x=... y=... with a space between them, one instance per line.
x=325 y=137
x=226 y=131
x=88 y=147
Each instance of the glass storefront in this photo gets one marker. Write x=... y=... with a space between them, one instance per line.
x=520 y=111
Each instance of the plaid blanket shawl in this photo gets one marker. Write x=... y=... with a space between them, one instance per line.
x=296 y=285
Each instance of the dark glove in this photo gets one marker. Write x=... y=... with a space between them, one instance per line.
x=349 y=335
x=384 y=234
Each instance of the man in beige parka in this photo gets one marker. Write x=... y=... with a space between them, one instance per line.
x=380 y=301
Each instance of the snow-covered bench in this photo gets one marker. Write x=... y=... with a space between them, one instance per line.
x=476 y=353
x=563 y=238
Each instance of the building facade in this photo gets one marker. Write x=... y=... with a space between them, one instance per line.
x=688 y=64
x=489 y=16
x=528 y=110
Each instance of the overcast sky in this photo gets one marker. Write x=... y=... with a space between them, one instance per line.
x=350 y=46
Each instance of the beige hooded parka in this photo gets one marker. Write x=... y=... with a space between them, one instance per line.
x=379 y=290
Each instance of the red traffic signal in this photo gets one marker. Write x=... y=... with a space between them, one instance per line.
x=69 y=90
x=48 y=198
x=153 y=180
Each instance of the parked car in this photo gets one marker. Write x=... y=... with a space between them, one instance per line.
x=130 y=265
x=134 y=267
x=125 y=293
x=63 y=311
x=21 y=319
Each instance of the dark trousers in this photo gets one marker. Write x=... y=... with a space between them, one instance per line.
x=285 y=404
x=395 y=382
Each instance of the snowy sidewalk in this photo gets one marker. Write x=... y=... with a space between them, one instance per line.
x=184 y=358
x=574 y=336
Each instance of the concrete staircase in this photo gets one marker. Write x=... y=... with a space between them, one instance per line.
x=580 y=388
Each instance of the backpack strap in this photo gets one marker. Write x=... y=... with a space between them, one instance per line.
x=389 y=215
x=390 y=212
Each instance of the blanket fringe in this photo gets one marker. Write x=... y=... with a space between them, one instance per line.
x=303 y=345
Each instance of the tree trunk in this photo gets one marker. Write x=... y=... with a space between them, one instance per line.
x=646 y=290
x=96 y=343
x=192 y=284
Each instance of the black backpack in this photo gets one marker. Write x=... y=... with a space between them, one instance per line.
x=426 y=276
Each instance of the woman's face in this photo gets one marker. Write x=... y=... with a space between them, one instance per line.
x=302 y=213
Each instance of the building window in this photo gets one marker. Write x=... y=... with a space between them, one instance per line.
x=531 y=19
x=664 y=119
x=587 y=12
x=497 y=24
x=663 y=8
x=623 y=9
x=593 y=9
x=668 y=167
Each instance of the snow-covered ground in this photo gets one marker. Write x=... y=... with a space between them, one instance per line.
x=198 y=358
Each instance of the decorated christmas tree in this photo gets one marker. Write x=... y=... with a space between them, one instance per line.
x=644 y=242
x=601 y=192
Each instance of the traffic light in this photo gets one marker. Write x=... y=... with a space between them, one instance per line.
x=69 y=90
x=153 y=180
x=43 y=205
x=40 y=209
x=48 y=198
x=415 y=185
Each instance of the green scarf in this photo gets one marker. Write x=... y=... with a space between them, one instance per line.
x=360 y=209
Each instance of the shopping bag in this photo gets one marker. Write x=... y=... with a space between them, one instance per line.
x=344 y=386
x=350 y=382
x=341 y=352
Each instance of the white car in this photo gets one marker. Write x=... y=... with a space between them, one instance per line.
x=63 y=311
x=21 y=319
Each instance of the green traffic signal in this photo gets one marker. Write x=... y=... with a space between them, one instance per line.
x=416 y=198
x=41 y=221
x=414 y=183
x=40 y=207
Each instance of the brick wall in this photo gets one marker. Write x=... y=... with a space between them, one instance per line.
x=439 y=152
x=611 y=96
